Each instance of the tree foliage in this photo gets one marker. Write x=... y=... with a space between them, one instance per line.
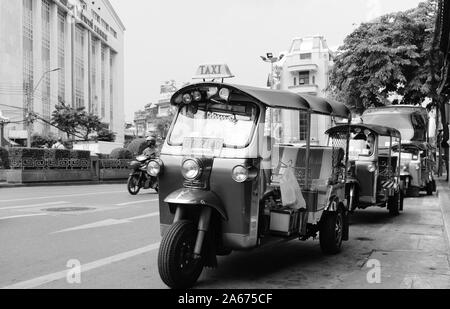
x=79 y=123
x=391 y=55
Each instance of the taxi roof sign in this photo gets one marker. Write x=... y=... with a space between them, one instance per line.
x=213 y=71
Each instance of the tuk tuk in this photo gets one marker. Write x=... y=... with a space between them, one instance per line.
x=222 y=176
x=412 y=122
x=373 y=170
x=417 y=168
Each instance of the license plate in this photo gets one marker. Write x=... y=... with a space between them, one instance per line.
x=199 y=146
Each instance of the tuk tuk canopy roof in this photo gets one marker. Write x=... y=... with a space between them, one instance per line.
x=278 y=99
x=424 y=146
x=378 y=130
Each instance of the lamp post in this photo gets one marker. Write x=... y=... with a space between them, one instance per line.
x=29 y=110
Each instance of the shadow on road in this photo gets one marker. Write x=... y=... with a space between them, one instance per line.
x=261 y=264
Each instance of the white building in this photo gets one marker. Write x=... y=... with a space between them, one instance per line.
x=305 y=70
x=83 y=39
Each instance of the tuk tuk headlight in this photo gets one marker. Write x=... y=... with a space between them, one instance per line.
x=191 y=169
x=405 y=168
x=372 y=168
x=154 y=168
x=240 y=174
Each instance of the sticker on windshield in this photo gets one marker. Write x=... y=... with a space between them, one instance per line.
x=200 y=146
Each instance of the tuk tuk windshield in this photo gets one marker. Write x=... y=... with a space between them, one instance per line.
x=232 y=123
x=361 y=144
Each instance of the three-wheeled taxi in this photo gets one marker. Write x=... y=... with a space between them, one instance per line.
x=222 y=172
x=412 y=122
x=417 y=168
x=373 y=171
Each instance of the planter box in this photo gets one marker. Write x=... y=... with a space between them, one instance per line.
x=35 y=176
x=114 y=174
x=2 y=175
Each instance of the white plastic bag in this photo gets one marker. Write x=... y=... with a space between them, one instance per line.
x=291 y=193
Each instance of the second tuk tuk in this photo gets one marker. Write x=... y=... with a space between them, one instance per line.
x=222 y=177
x=373 y=170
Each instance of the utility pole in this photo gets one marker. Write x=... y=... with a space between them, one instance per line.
x=30 y=116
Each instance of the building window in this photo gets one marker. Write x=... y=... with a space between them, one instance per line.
x=111 y=92
x=303 y=126
x=314 y=79
x=61 y=55
x=28 y=64
x=94 y=94
x=103 y=82
x=306 y=56
x=46 y=61
x=79 y=67
x=303 y=78
x=295 y=81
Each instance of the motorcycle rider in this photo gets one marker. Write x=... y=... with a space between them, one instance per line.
x=150 y=151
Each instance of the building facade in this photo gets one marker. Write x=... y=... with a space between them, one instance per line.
x=145 y=120
x=61 y=51
x=304 y=69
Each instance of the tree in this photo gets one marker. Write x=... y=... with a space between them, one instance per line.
x=106 y=135
x=163 y=125
x=388 y=56
x=66 y=119
x=77 y=122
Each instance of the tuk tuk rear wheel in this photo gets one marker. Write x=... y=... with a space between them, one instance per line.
x=133 y=185
x=395 y=204
x=332 y=232
x=429 y=188
x=176 y=263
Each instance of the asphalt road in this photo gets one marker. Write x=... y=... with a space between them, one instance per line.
x=47 y=232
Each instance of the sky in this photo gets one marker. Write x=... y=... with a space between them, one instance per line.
x=169 y=39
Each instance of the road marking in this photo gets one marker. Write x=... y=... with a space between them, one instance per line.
x=106 y=223
x=59 y=196
x=37 y=282
x=34 y=205
x=155 y=214
x=137 y=202
x=22 y=216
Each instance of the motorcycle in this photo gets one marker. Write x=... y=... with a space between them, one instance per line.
x=140 y=177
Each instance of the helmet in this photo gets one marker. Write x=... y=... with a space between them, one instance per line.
x=151 y=139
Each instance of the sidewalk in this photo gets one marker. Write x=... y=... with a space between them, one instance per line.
x=5 y=185
x=444 y=203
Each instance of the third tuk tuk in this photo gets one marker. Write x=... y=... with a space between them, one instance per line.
x=224 y=176
x=417 y=154
x=417 y=168
x=373 y=170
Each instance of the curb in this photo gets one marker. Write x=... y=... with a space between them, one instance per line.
x=444 y=198
x=62 y=184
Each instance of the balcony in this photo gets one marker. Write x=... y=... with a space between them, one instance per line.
x=306 y=89
x=295 y=64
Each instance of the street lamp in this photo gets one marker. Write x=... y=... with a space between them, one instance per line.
x=29 y=111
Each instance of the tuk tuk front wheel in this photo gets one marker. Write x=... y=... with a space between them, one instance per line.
x=331 y=232
x=178 y=267
x=133 y=185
